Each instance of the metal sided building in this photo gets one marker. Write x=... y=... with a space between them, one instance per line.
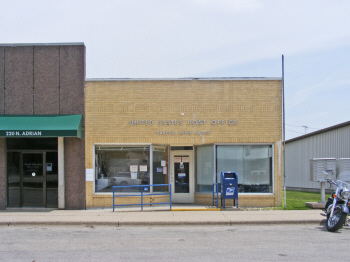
x=331 y=144
x=42 y=147
x=184 y=132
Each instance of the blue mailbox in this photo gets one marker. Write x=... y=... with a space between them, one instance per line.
x=229 y=187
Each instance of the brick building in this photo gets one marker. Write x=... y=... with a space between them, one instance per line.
x=42 y=147
x=184 y=132
x=66 y=141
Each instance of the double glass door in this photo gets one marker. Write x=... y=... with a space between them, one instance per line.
x=32 y=179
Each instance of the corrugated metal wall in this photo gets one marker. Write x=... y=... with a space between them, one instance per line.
x=329 y=144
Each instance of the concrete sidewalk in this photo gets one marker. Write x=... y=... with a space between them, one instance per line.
x=158 y=216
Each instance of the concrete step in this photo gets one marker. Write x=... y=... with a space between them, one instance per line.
x=315 y=205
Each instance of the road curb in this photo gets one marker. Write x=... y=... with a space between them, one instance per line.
x=160 y=223
x=195 y=209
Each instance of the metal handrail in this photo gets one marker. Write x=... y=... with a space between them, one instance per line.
x=142 y=194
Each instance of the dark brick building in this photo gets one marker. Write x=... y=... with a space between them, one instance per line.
x=42 y=148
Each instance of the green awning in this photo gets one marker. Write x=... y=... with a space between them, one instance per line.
x=41 y=126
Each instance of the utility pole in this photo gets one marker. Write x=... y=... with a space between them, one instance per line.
x=305 y=128
x=283 y=138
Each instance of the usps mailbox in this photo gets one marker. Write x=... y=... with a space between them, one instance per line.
x=229 y=187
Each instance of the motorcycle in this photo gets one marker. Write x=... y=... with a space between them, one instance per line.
x=337 y=206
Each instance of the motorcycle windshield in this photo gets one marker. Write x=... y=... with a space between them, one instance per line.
x=343 y=184
x=345 y=189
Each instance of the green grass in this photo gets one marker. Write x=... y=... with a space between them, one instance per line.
x=296 y=200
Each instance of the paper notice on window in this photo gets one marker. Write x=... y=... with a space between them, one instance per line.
x=165 y=170
x=133 y=168
x=133 y=175
x=49 y=167
x=163 y=163
x=185 y=159
x=177 y=159
x=143 y=168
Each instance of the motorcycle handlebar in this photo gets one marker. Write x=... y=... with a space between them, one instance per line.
x=332 y=182
x=329 y=180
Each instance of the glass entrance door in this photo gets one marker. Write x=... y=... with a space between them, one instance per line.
x=33 y=180
x=182 y=176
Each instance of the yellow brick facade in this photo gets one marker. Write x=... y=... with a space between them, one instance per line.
x=232 y=111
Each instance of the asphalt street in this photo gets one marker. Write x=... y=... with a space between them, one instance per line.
x=173 y=243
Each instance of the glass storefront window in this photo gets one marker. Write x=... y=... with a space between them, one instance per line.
x=253 y=165
x=131 y=165
x=51 y=179
x=121 y=166
x=13 y=179
x=32 y=144
x=160 y=168
x=204 y=168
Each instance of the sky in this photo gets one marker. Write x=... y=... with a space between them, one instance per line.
x=206 y=38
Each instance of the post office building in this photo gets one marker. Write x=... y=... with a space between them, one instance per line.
x=184 y=132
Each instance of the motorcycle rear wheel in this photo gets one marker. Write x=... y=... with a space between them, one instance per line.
x=337 y=221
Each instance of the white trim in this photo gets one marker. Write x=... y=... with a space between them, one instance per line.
x=273 y=168
x=61 y=177
x=184 y=79
x=121 y=144
x=243 y=144
x=94 y=168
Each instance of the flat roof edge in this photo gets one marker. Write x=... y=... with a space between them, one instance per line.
x=41 y=44
x=184 y=79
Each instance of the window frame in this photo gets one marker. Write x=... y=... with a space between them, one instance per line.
x=101 y=146
x=272 y=163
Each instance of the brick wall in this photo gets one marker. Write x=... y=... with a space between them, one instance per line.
x=47 y=80
x=254 y=104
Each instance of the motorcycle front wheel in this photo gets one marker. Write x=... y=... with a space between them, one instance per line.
x=329 y=202
x=337 y=221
